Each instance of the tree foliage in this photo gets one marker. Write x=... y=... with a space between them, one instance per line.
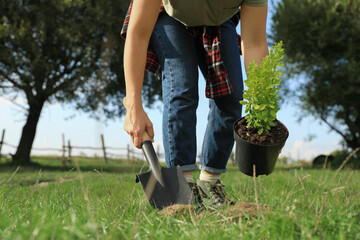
x=63 y=51
x=322 y=43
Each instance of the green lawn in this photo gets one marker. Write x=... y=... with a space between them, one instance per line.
x=102 y=201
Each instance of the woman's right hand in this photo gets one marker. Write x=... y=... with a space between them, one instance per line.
x=137 y=122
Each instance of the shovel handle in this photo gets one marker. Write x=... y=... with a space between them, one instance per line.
x=145 y=136
x=151 y=158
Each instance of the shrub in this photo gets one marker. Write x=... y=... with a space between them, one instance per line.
x=261 y=98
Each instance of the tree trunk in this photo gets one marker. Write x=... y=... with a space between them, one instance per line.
x=22 y=155
x=352 y=143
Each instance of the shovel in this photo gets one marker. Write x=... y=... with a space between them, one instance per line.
x=162 y=186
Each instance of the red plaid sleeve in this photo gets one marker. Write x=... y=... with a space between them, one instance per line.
x=217 y=80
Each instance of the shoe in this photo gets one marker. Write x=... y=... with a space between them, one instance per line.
x=197 y=199
x=212 y=195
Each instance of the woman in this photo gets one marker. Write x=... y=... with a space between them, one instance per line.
x=184 y=35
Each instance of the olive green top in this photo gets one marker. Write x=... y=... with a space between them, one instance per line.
x=206 y=12
x=255 y=3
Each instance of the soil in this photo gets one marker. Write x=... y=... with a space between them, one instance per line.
x=177 y=209
x=276 y=135
x=239 y=210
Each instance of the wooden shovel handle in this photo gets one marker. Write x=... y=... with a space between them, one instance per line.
x=145 y=137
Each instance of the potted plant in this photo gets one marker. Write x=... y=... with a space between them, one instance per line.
x=259 y=135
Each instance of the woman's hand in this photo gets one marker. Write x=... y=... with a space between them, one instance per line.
x=137 y=122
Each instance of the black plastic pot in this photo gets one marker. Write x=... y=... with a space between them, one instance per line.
x=263 y=157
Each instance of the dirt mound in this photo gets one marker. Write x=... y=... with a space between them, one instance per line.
x=176 y=210
x=239 y=210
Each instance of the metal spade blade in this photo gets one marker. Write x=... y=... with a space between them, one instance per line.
x=163 y=186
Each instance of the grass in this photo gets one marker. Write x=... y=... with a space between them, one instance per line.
x=93 y=200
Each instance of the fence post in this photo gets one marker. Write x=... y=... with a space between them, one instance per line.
x=2 y=141
x=103 y=147
x=69 y=149
x=63 y=160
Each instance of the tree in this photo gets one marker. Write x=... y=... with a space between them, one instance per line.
x=321 y=40
x=62 y=51
x=341 y=155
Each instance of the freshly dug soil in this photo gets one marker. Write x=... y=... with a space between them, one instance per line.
x=176 y=209
x=239 y=210
x=276 y=135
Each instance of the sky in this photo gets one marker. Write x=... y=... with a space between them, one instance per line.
x=59 y=119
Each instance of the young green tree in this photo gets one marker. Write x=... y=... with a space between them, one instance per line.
x=261 y=98
x=62 y=51
x=322 y=42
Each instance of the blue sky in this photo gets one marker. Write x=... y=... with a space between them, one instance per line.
x=84 y=131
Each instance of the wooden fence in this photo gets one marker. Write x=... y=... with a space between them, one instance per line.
x=66 y=150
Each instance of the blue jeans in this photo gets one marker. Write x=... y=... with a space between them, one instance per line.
x=180 y=56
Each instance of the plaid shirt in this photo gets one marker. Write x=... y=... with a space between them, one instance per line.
x=217 y=80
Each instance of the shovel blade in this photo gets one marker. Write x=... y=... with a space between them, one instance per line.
x=175 y=190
